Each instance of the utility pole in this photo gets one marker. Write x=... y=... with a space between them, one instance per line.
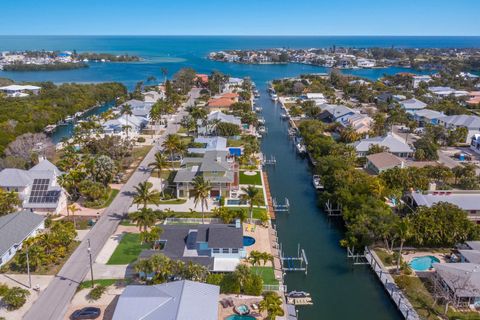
x=28 y=271
x=90 y=257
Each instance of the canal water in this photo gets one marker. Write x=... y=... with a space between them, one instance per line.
x=339 y=289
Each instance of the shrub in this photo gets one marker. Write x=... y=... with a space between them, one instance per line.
x=253 y=286
x=15 y=298
x=97 y=292
x=215 y=278
x=230 y=284
x=140 y=139
x=3 y=289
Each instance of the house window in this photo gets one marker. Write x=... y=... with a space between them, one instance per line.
x=225 y=250
x=216 y=250
x=234 y=250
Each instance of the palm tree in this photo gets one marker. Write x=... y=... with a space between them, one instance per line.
x=155 y=116
x=159 y=164
x=201 y=191
x=242 y=273
x=172 y=144
x=272 y=304
x=144 y=195
x=253 y=197
x=162 y=266
x=266 y=257
x=144 y=266
x=405 y=232
x=254 y=258
x=126 y=109
x=144 y=218
x=72 y=208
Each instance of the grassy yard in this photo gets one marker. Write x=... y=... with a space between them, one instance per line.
x=173 y=201
x=387 y=258
x=246 y=179
x=103 y=282
x=234 y=143
x=128 y=249
x=267 y=275
x=257 y=212
x=421 y=299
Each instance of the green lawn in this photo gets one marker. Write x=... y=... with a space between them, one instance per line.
x=173 y=201
x=234 y=143
x=257 y=212
x=387 y=258
x=103 y=282
x=128 y=249
x=421 y=299
x=267 y=275
x=246 y=179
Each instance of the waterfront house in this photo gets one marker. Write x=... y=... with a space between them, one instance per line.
x=222 y=102
x=217 y=116
x=232 y=84
x=419 y=79
x=318 y=98
x=412 y=105
x=472 y=123
x=150 y=97
x=209 y=144
x=37 y=187
x=335 y=113
x=394 y=145
x=361 y=123
x=366 y=63
x=219 y=247
x=16 y=228
x=19 y=91
x=467 y=200
x=119 y=125
x=426 y=116
x=177 y=300
x=215 y=166
x=379 y=162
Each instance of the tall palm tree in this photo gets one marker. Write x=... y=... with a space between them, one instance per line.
x=254 y=258
x=144 y=196
x=160 y=163
x=162 y=266
x=272 y=304
x=144 y=219
x=172 y=144
x=126 y=109
x=155 y=116
x=201 y=191
x=404 y=232
x=242 y=273
x=72 y=208
x=253 y=197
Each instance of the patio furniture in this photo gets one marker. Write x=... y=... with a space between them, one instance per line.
x=224 y=303
x=230 y=302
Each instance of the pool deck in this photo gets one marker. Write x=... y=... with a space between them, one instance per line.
x=239 y=300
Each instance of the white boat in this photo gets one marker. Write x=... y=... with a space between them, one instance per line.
x=284 y=116
x=299 y=298
x=262 y=130
x=258 y=109
x=274 y=97
x=301 y=148
x=317 y=183
x=292 y=132
x=261 y=121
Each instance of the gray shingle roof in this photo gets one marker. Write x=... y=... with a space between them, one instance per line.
x=225 y=236
x=393 y=144
x=466 y=201
x=463 y=120
x=15 y=227
x=413 y=104
x=14 y=178
x=179 y=300
x=463 y=278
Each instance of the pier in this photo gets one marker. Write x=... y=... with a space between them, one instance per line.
x=294 y=263
x=270 y=210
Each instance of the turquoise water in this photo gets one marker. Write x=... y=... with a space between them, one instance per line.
x=237 y=317
x=339 y=289
x=248 y=241
x=423 y=263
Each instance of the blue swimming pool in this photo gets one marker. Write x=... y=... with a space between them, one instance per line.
x=423 y=263
x=248 y=241
x=237 y=317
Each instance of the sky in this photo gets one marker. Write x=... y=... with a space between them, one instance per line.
x=241 y=17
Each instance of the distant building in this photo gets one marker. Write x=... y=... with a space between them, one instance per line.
x=16 y=228
x=150 y=97
x=379 y=162
x=19 y=91
x=447 y=91
x=178 y=300
x=366 y=63
x=419 y=79
x=37 y=188
x=394 y=145
x=412 y=105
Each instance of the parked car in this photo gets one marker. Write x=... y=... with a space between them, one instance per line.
x=86 y=313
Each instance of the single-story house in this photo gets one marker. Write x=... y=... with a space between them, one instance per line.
x=215 y=166
x=220 y=117
x=16 y=228
x=379 y=162
x=472 y=123
x=210 y=144
x=118 y=126
x=395 y=145
x=177 y=300
x=318 y=98
x=16 y=90
x=37 y=187
x=467 y=200
x=222 y=102
x=447 y=91
x=413 y=105
x=150 y=97
x=426 y=116
x=219 y=247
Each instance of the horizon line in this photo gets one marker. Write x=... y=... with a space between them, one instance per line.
x=230 y=35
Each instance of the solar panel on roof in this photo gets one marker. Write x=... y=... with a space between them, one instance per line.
x=41 y=194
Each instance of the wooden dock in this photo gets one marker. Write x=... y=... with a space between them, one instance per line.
x=270 y=209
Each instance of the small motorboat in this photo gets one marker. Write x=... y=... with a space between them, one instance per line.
x=299 y=298
x=284 y=116
x=317 y=183
x=258 y=109
x=262 y=130
x=301 y=149
x=274 y=96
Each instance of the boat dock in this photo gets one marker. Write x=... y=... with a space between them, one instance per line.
x=270 y=210
x=397 y=296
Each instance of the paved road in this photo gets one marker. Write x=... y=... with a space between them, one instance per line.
x=53 y=302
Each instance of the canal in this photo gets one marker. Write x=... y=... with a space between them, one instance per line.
x=339 y=289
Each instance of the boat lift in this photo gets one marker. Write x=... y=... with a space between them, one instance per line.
x=271 y=161
x=298 y=263
x=333 y=211
x=358 y=258
x=281 y=207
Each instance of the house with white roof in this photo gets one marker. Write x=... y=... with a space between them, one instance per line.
x=472 y=123
x=210 y=144
x=361 y=123
x=447 y=91
x=16 y=228
x=177 y=300
x=119 y=125
x=318 y=98
x=467 y=200
x=426 y=116
x=150 y=97
x=419 y=79
x=19 y=91
x=366 y=63
x=412 y=105
x=394 y=144
x=217 y=116
x=37 y=187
